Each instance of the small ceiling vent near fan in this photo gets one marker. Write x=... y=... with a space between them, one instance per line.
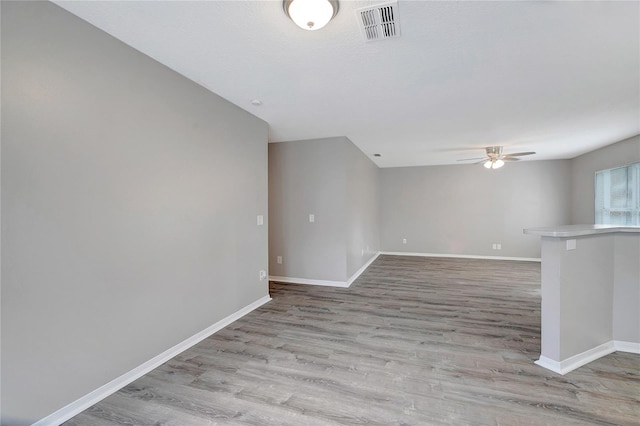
x=379 y=22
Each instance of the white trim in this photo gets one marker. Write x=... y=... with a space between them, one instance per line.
x=362 y=269
x=573 y=362
x=342 y=284
x=549 y=364
x=631 y=347
x=292 y=280
x=79 y=405
x=461 y=256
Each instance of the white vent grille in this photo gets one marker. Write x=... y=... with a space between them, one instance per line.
x=379 y=22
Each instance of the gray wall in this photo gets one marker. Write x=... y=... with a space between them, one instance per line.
x=577 y=295
x=331 y=179
x=464 y=209
x=626 y=290
x=363 y=241
x=590 y=295
x=584 y=168
x=129 y=203
x=308 y=177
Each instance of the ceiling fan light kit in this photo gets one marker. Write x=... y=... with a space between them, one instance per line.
x=493 y=164
x=495 y=159
x=310 y=15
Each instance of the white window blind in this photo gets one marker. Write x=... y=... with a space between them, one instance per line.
x=618 y=196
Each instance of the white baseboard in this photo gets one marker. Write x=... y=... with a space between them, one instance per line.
x=342 y=284
x=293 y=280
x=622 y=346
x=362 y=269
x=573 y=362
x=104 y=391
x=461 y=256
x=346 y=284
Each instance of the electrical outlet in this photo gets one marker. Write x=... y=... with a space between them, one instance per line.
x=499 y=246
x=260 y=220
x=404 y=241
x=494 y=246
x=279 y=260
x=312 y=218
x=263 y=275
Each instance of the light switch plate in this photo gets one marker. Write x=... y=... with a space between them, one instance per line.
x=571 y=244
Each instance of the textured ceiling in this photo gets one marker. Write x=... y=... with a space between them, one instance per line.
x=560 y=78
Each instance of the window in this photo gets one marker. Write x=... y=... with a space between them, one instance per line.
x=618 y=196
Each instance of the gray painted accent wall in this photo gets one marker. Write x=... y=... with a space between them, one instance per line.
x=363 y=226
x=464 y=209
x=590 y=295
x=333 y=180
x=129 y=204
x=584 y=168
x=586 y=322
x=626 y=289
x=307 y=177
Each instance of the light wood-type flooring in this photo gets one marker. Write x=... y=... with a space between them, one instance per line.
x=414 y=341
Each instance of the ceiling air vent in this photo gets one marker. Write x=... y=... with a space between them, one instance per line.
x=379 y=22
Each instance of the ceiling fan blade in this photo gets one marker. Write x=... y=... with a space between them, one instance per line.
x=470 y=159
x=507 y=158
x=520 y=154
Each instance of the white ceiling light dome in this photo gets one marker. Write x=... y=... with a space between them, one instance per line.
x=311 y=14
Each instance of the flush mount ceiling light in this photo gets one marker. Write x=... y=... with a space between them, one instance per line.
x=310 y=14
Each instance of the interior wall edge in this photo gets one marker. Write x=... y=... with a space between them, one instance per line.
x=362 y=269
x=326 y=283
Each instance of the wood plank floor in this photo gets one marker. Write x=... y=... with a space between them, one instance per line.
x=414 y=341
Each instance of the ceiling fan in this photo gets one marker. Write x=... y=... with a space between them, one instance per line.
x=495 y=159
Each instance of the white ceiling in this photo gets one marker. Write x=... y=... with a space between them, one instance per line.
x=557 y=77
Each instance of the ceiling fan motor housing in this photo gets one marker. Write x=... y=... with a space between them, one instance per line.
x=494 y=151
